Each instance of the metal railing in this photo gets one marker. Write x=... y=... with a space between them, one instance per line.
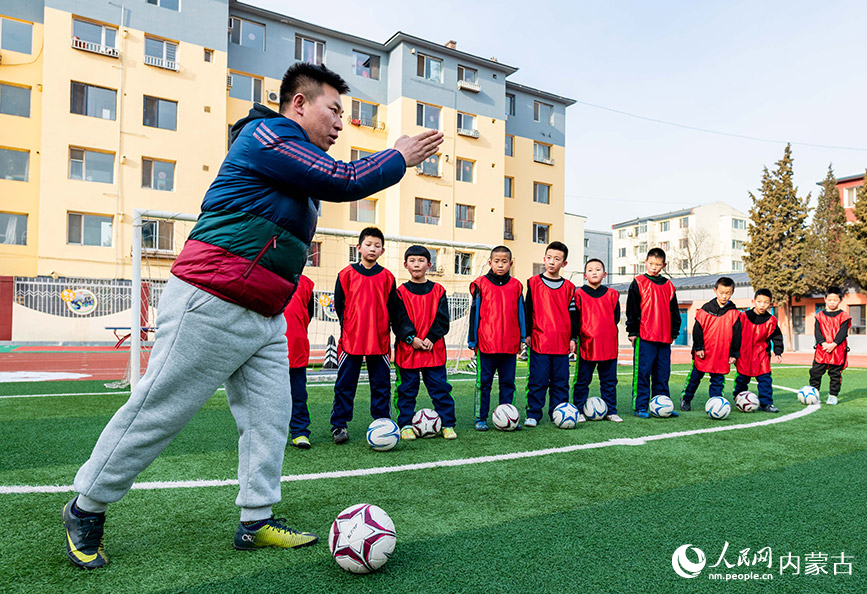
x=161 y=63
x=96 y=48
x=468 y=132
x=469 y=86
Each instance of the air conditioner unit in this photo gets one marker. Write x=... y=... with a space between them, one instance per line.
x=229 y=81
x=273 y=97
x=630 y=234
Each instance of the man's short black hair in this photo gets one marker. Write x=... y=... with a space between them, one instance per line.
x=501 y=249
x=764 y=293
x=371 y=232
x=834 y=291
x=416 y=250
x=560 y=247
x=594 y=260
x=724 y=281
x=656 y=253
x=307 y=79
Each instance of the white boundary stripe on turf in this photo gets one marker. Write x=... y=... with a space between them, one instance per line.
x=624 y=441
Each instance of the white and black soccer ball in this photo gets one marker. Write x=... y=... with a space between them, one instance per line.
x=426 y=423
x=747 y=402
x=717 y=408
x=661 y=406
x=383 y=434
x=565 y=415
x=595 y=409
x=362 y=538
x=506 y=417
x=808 y=395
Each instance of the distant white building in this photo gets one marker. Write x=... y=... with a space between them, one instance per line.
x=707 y=239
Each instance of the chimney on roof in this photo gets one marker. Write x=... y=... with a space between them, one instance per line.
x=452 y=44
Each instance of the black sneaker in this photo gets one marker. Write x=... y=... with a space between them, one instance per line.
x=684 y=404
x=84 y=538
x=770 y=408
x=272 y=533
x=340 y=434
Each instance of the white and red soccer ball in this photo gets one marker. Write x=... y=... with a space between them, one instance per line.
x=426 y=423
x=362 y=538
x=746 y=401
x=506 y=417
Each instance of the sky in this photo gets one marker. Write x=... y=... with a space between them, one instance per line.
x=774 y=71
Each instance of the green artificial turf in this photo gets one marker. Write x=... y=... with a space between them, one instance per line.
x=597 y=520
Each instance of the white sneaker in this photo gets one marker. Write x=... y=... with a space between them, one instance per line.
x=581 y=418
x=530 y=422
x=832 y=400
x=615 y=418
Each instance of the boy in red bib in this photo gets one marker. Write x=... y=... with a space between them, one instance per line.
x=832 y=330
x=496 y=331
x=598 y=316
x=365 y=299
x=552 y=331
x=424 y=307
x=716 y=341
x=298 y=314
x=759 y=330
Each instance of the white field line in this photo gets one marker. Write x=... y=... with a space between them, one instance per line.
x=631 y=441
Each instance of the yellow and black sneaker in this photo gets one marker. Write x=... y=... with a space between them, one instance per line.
x=84 y=538
x=272 y=532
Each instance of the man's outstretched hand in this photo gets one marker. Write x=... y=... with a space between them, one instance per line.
x=416 y=149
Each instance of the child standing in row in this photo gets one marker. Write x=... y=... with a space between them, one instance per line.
x=759 y=332
x=832 y=330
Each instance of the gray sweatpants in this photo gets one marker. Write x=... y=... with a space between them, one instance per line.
x=201 y=343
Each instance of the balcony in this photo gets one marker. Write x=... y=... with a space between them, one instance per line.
x=468 y=132
x=466 y=85
x=426 y=219
x=427 y=172
x=364 y=122
x=95 y=48
x=543 y=160
x=161 y=63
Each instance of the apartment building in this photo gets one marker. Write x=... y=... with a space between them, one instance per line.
x=849 y=187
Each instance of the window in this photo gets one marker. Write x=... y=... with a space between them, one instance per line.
x=363 y=211
x=543 y=112
x=799 y=314
x=508 y=228
x=586 y=243
x=683 y=264
x=470 y=75
x=309 y=50
x=430 y=166
x=160 y=113
x=642 y=248
x=538 y=268
x=96 y=102
x=87 y=165
x=427 y=211
x=642 y=228
x=15 y=100
x=510 y=104
x=170 y=4
x=510 y=186
x=464 y=216
x=684 y=223
x=13 y=229
x=849 y=195
x=665 y=246
x=209 y=55
x=96 y=38
x=739 y=224
x=463 y=263
x=621 y=234
x=737 y=266
x=621 y=270
x=855 y=311
x=683 y=243
x=465 y=170
x=313 y=253
x=158 y=175
x=365 y=65
x=663 y=226
x=354 y=256
x=14 y=164
x=82 y=229
x=250 y=34
x=510 y=145
x=540 y=233
x=427 y=116
x=356 y=154
x=737 y=244
x=434 y=255
x=16 y=36
x=467 y=125
x=364 y=114
x=246 y=87
x=430 y=68
x=541 y=193
x=157 y=236
x=160 y=53
x=542 y=153
x=621 y=253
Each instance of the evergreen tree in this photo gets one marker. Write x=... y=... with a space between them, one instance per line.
x=777 y=237
x=857 y=232
x=826 y=248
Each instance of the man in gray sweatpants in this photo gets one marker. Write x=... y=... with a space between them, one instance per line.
x=220 y=315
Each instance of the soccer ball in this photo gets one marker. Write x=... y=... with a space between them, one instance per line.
x=595 y=409
x=506 y=417
x=565 y=415
x=808 y=395
x=661 y=406
x=717 y=408
x=426 y=423
x=747 y=402
x=383 y=434
x=362 y=538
